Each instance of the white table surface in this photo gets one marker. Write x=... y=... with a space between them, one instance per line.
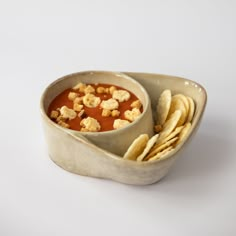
x=43 y=40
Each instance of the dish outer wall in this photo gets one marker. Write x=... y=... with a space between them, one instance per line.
x=77 y=155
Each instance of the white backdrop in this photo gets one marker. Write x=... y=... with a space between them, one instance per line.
x=43 y=40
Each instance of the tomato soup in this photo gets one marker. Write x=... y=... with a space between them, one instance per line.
x=95 y=107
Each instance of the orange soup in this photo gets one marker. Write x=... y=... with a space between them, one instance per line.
x=95 y=107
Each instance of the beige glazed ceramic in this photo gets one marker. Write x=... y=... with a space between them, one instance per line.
x=94 y=155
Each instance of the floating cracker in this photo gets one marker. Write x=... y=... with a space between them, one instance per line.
x=149 y=145
x=178 y=104
x=191 y=109
x=184 y=132
x=161 y=155
x=161 y=148
x=137 y=147
x=163 y=106
x=170 y=124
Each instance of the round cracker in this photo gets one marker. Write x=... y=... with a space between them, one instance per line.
x=183 y=99
x=149 y=145
x=163 y=106
x=137 y=147
x=161 y=155
x=170 y=136
x=178 y=104
x=161 y=148
x=170 y=124
x=191 y=109
x=167 y=151
x=184 y=132
x=173 y=134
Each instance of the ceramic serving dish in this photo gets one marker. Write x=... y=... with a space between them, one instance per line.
x=85 y=155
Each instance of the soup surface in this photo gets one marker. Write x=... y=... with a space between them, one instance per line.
x=95 y=107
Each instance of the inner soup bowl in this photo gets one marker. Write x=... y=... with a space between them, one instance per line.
x=114 y=141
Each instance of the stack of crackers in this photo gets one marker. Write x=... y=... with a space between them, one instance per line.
x=174 y=117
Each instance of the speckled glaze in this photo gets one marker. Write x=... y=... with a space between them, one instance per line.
x=78 y=153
